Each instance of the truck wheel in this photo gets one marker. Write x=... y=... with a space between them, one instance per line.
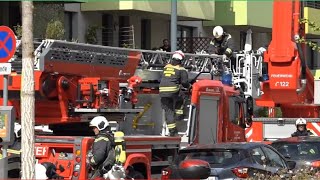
x=135 y=175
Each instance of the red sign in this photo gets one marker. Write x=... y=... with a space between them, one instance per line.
x=41 y=151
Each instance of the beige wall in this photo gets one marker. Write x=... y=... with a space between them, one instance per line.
x=200 y=9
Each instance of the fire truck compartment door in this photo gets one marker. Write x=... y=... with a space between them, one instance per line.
x=208 y=119
x=274 y=131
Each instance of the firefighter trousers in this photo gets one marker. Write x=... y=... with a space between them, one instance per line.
x=173 y=107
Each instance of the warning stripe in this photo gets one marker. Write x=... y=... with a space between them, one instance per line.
x=316 y=128
x=248 y=134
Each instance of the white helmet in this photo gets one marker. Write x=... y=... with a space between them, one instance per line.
x=17 y=130
x=217 y=31
x=301 y=121
x=40 y=172
x=179 y=55
x=99 y=122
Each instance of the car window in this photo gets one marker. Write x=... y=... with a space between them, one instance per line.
x=213 y=157
x=274 y=160
x=257 y=156
x=297 y=151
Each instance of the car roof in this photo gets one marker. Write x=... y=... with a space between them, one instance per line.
x=229 y=145
x=298 y=139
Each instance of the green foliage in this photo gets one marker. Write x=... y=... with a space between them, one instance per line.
x=91 y=34
x=304 y=173
x=45 y=12
x=314 y=27
x=55 y=30
x=18 y=30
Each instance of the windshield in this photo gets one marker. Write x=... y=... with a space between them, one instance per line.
x=299 y=151
x=215 y=157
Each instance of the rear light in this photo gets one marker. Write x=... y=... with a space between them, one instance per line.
x=166 y=174
x=315 y=164
x=75 y=174
x=241 y=172
x=78 y=159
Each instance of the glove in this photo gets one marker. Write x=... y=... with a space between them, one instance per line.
x=224 y=58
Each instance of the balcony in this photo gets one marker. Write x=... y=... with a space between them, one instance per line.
x=242 y=13
x=312 y=14
x=201 y=10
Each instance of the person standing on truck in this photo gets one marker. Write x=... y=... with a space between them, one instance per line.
x=102 y=157
x=222 y=44
x=174 y=77
x=302 y=130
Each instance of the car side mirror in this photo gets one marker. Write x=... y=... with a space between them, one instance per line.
x=291 y=164
x=194 y=169
x=287 y=156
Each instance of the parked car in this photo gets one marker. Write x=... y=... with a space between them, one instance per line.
x=233 y=160
x=305 y=151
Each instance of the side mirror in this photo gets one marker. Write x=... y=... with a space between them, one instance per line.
x=287 y=156
x=194 y=169
x=291 y=164
x=250 y=106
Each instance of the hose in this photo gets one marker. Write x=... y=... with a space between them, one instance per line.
x=303 y=68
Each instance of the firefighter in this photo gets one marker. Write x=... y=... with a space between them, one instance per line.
x=174 y=77
x=302 y=130
x=222 y=44
x=102 y=157
x=15 y=148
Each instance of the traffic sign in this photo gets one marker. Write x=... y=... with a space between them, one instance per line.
x=7 y=44
x=5 y=68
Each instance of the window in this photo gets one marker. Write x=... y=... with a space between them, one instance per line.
x=257 y=156
x=145 y=34
x=185 y=35
x=311 y=56
x=312 y=4
x=234 y=111
x=107 y=30
x=125 y=31
x=68 y=25
x=243 y=36
x=273 y=159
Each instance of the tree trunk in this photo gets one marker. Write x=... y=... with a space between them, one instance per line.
x=27 y=93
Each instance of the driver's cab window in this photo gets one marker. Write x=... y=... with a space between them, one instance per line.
x=234 y=111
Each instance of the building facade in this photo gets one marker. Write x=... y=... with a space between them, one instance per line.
x=144 y=24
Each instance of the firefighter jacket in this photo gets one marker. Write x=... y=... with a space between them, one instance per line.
x=302 y=133
x=102 y=146
x=223 y=47
x=120 y=148
x=172 y=78
x=15 y=148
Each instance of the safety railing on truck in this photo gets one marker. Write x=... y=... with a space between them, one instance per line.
x=88 y=53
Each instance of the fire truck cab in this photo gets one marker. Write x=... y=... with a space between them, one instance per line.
x=217 y=113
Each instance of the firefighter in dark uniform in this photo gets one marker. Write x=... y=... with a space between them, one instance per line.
x=102 y=157
x=222 y=44
x=302 y=130
x=174 y=76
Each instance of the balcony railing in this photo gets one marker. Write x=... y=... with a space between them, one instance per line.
x=312 y=4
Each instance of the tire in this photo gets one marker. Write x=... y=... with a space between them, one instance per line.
x=135 y=175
